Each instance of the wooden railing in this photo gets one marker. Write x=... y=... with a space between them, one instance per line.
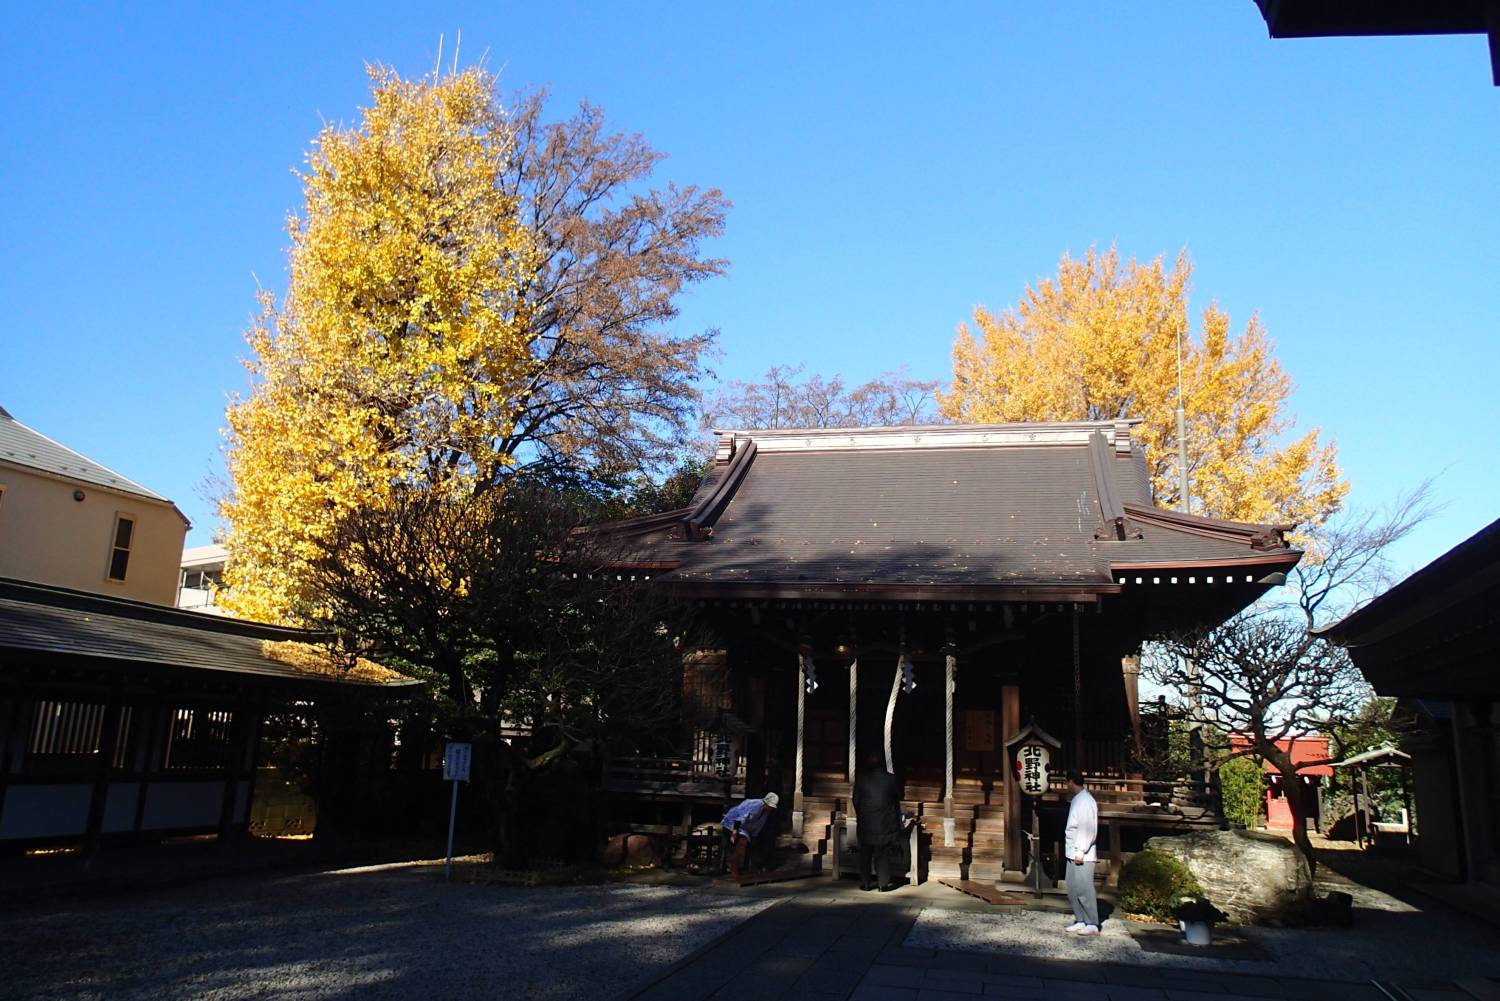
x=671 y=777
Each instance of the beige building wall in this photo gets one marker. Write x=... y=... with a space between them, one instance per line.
x=48 y=536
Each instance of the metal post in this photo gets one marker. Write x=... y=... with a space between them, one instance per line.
x=452 y=816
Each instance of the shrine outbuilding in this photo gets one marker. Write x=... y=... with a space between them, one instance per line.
x=930 y=592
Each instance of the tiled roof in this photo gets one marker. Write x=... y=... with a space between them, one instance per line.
x=24 y=446
x=977 y=506
x=37 y=618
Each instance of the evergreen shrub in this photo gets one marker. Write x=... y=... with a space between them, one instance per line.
x=1149 y=883
x=1242 y=785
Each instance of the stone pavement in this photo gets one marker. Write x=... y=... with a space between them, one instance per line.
x=837 y=943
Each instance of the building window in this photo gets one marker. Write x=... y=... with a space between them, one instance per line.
x=119 y=555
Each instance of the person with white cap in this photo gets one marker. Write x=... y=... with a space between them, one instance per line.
x=741 y=825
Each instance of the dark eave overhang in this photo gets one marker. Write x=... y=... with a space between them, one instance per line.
x=1039 y=591
x=1354 y=18
x=1464 y=572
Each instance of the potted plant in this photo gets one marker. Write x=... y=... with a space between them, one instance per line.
x=1196 y=916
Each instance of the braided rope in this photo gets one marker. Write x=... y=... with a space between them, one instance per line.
x=948 y=771
x=853 y=714
x=890 y=712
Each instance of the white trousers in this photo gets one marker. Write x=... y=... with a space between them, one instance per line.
x=1081 y=895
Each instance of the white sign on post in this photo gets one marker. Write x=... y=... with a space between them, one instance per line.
x=456 y=762
x=456 y=770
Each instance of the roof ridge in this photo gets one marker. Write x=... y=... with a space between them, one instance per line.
x=1078 y=425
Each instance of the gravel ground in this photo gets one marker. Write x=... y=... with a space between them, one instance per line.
x=378 y=933
x=1390 y=940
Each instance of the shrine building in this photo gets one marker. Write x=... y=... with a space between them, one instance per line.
x=935 y=593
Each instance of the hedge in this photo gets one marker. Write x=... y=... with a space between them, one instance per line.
x=1150 y=880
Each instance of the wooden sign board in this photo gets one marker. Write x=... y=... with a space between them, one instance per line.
x=979 y=730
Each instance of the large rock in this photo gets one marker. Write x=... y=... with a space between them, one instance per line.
x=1250 y=876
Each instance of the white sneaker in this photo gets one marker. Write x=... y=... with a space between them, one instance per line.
x=1075 y=926
x=1087 y=930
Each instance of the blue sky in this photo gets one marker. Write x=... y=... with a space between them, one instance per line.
x=890 y=167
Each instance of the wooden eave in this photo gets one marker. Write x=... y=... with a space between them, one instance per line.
x=1081 y=593
x=1260 y=537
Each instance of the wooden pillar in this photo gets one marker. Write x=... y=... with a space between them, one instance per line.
x=1010 y=725
x=1359 y=820
x=1406 y=801
x=1077 y=695
x=1364 y=789
x=108 y=738
x=948 y=825
x=244 y=742
x=801 y=728
x=12 y=745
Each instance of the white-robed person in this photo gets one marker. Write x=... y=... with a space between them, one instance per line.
x=1078 y=846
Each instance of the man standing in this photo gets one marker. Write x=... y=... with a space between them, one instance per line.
x=742 y=824
x=1078 y=845
x=877 y=809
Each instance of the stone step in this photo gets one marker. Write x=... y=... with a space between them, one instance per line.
x=987 y=871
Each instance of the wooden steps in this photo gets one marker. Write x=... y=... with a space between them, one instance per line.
x=978 y=814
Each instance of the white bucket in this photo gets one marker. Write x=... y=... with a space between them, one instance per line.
x=1197 y=932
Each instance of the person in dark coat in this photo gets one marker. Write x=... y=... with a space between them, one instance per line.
x=877 y=809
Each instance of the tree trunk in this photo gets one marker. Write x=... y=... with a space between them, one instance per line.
x=1296 y=801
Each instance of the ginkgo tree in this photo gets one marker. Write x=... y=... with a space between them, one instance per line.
x=396 y=346
x=473 y=291
x=1104 y=339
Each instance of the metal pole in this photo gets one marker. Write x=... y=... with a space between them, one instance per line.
x=452 y=816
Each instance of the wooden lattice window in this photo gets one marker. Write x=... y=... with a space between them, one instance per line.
x=63 y=732
x=198 y=738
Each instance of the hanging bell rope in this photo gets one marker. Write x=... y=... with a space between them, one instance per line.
x=948 y=825
x=802 y=690
x=809 y=673
x=903 y=674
